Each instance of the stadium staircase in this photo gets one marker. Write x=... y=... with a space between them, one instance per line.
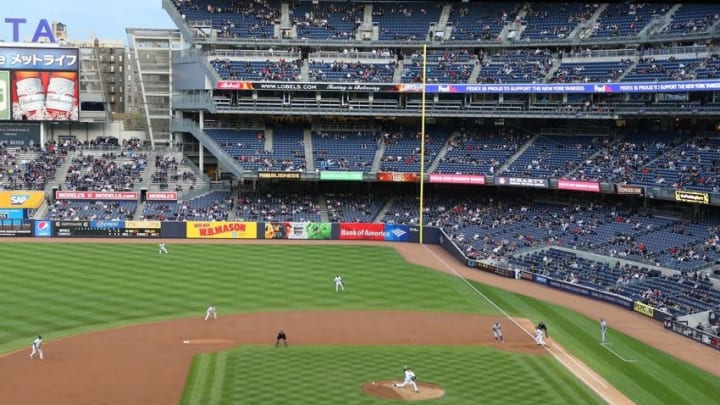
x=586 y=29
x=442 y=24
x=189 y=126
x=517 y=154
x=378 y=156
x=628 y=68
x=384 y=210
x=441 y=153
x=321 y=202
x=659 y=22
x=474 y=74
x=309 y=156
x=268 y=139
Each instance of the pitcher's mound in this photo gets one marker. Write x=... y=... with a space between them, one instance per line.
x=385 y=390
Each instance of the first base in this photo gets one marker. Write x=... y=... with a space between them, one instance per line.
x=186 y=342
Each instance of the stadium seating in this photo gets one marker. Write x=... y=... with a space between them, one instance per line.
x=627 y=18
x=327 y=20
x=480 y=151
x=251 y=19
x=408 y=21
x=402 y=153
x=481 y=23
x=346 y=150
x=554 y=156
x=92 y=210
x=276 y=206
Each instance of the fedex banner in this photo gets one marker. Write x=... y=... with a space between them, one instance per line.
x=521 y=182
x=298 y=230
x=161 y=196
x=220 y=230
x=457 y=179
x=510 y=88
x=95 y=195
x=574 y=185
x=396 y=233
x=361 y=231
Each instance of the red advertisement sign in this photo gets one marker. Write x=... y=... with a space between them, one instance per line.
x=161 y=196
x=458 y=178
x=96 y=195
x=398 y=177
x=579 y=185
x=359 y=231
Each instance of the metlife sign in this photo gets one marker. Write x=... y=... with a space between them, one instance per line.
x=15 y=29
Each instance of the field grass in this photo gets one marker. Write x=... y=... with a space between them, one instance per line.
x=57 y=289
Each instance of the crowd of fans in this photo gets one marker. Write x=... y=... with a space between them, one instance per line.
x=107 y=172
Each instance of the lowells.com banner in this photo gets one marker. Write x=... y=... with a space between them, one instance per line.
x=297 y=230
x=221 y=230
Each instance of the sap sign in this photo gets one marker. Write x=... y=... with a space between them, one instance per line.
x=42 y=30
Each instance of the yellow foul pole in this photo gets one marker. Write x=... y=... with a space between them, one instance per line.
x=422 y=143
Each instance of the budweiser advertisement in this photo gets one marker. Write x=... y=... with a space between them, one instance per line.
x=42 y=84
x=398 y=177
x=477 y=179
x=361 y=231
x=591 y=186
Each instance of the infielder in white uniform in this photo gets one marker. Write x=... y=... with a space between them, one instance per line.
x=540 y=337
x=497 y=332
x=211 y=311
x=339 y=285
x=409 y=379
x=163 y=249
x=37 y=348
x=603 y=329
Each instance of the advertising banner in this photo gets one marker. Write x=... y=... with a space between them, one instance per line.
x=42 y=229
x=331 y=87
x=221 y=230
x=43 y=83
x=575 y=185
x=16 y=227
x=398 y=177
x=21 y=199
x=644 y=309
x=5 y=107
x=161 y=196
x=16 y=134
x=143 y=224
x=396 y=233
x=521 y=182
x=361 y=231
x=98 y=228
x=692 y=197
x=107 y=224
x=96 y=195
x=329 y=175
x=297 y=230
x=477 y=179
x=692 y=333
x=630 y=190
x=279 y=175
x=12 y=213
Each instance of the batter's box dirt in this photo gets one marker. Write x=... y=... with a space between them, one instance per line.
x=385 y=390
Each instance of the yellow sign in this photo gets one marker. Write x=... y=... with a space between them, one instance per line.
x=221 y=230
x=692 y=197
x=644 y=309
x=143 y=225
x=21 y=199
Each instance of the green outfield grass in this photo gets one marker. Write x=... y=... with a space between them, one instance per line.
x=58 y=289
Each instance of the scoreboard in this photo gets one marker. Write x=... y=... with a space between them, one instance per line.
x=105 y=228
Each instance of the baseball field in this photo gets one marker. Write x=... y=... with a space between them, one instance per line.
x=124 y=325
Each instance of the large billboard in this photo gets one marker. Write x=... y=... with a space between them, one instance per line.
x=297 y=230
x=21 y=199
x=221 y=230
x=39 y=84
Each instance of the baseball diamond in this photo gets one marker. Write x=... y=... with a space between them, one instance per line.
x=437 y=323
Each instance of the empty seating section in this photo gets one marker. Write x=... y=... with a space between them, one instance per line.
x=554 y=156
x=627 y=18
x=231 y=19
x=352 y=71
x=593 y=72
x=404 y=210
x=709 y=68
x=405 y=21
x=344 y=150
x=92 y=210
x=484 y=22
x=278 y=69
x=276 y=206
x=454 y=66
x=214 y=206
x=28 y=168
x=247 y=146
x=520 y=66
x=326 y=20
x=481 y=151
x=105 y=171
x=649 y=69
x=288 y=149
x=402 y=153
x=554 y=20
x=691 y=18
x=353 y=207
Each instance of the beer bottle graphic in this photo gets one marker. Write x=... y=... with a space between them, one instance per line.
x=30 y=95
x=61 y=95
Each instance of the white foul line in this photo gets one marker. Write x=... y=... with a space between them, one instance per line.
x=605 y=345
x=602 y=383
